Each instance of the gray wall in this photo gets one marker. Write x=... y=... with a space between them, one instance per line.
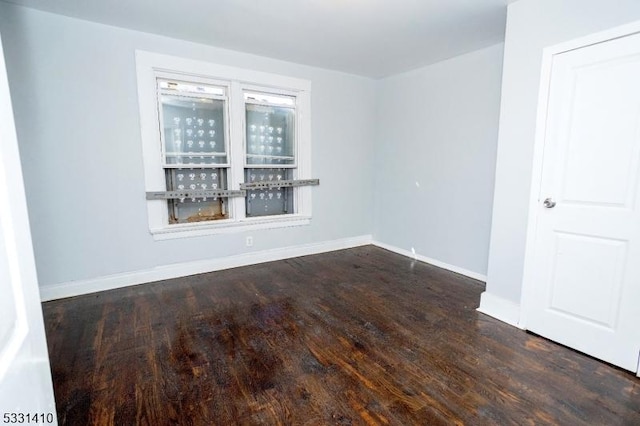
x=531 y=26
x=438 y=126
x=74 y=93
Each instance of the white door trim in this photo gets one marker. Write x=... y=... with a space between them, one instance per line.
x=11 y=344
x=528 y=285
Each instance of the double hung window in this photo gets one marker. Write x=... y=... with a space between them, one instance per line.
x=194 y=143
x=270 y=151
x=224 y=148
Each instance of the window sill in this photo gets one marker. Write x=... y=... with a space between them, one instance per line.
x=227 y=226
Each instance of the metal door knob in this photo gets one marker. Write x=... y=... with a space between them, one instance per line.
x=549 y=203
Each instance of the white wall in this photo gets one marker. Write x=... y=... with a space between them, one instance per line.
x=532 y=25
x=74 y=95
x=437 y=130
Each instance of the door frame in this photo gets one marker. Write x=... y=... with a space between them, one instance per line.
x=548 y=54
x=25 y=371
x=10 y=347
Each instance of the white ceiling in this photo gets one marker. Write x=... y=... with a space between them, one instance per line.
x=374 y=38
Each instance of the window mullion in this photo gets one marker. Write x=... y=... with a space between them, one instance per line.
x=236 y=146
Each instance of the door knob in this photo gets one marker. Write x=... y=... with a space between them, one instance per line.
x=549 y=203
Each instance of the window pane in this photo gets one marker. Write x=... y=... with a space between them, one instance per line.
x=184 y=87
x=268 y=202
x=270 y=134
x=270 y=98
x=190 y=210
x=193 y=130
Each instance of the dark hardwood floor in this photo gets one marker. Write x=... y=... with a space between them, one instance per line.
x=360 y=336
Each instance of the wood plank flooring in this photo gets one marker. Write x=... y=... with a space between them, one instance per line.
x=353 y=337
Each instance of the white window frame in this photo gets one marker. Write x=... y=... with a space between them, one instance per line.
x=149 y=67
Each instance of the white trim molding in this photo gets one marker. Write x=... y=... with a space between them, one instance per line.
x=494 y=306
x=159 y=273
x=430 y=261
x=500 y=309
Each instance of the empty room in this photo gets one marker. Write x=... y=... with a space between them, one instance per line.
x=323 y=212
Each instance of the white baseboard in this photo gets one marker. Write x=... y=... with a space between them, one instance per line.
x=434 y=262
x=494 y=306
x=500 y=308
x=77 y=288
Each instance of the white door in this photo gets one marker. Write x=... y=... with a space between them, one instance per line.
x=584 y=287
x=26 y=391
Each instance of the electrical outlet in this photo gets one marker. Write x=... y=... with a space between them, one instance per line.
x=249 y=242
